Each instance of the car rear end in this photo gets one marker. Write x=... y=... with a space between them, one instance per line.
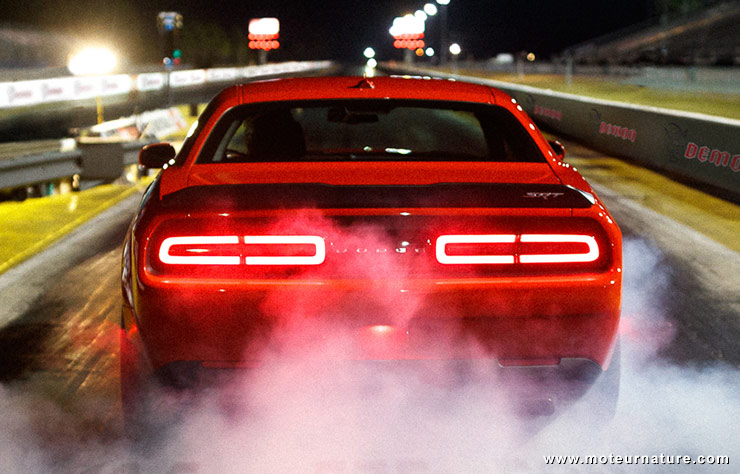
x=361 y=258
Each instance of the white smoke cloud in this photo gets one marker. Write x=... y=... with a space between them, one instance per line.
x=318 y=417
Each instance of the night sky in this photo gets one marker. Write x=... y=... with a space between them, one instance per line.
x=333 y=29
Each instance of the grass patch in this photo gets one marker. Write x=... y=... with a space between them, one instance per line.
x=710 y=103
x=34 y=224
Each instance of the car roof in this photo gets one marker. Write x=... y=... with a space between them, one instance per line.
x=384 y=87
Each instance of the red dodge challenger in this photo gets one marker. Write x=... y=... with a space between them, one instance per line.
x=413 y=219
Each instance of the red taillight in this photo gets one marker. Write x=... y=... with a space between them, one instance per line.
x=198 y=250
x=558 y=248
x=294 y=240
x=520 y=248
x=455 y=258
x=247 y=250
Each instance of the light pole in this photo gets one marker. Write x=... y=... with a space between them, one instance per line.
x=443 y=31
x=371 y=63
x=431 y=10
x=455 y=51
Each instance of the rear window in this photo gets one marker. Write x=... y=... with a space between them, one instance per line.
x=361 y=130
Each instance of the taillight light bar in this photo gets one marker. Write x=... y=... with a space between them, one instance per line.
x=578 y=257
x=444 y=240
x=316 y=259
x=453 y=249
x=201 y=246
x=574 y=248
x=198 y=245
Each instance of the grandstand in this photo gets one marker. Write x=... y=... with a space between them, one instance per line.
x=705 y=37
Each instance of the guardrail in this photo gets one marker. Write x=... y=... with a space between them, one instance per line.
x=100 y=160
x=702 y=148
x=66 y=89
x=49 y=162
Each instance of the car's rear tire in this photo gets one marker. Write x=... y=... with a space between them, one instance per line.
x=143 y=421
x=132 y=397
x=153 y=404
x=603 y=397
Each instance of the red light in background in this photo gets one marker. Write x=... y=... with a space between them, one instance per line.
x=409 y=42
x=266 y=45
x=252 y=37
x=263 y=33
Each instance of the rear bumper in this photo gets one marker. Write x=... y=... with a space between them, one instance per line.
x=518 y=322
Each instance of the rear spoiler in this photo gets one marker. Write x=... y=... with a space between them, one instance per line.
x=324 y=196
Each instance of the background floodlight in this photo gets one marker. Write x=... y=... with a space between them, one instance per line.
x=264 y=26
x=92 y=61
x=407 y=25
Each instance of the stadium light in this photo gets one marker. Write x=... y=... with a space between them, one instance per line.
x=93 y=61
x=430 y=9
x=408 y=25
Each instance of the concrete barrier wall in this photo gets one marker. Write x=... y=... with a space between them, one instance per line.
x=699 y=147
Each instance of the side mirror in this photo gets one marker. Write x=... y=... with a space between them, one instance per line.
x=558 y=148
x=156 y=155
